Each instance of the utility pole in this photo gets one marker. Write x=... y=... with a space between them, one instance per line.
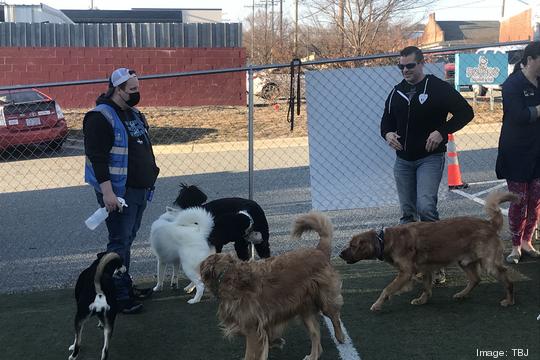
x=296 y=28
x=265 y=30
x=252 y=29
x=502 y=10
x=272 y=33
x=341 y=19
x=281 y=24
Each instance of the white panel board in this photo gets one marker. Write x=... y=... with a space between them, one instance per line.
x=351 y=166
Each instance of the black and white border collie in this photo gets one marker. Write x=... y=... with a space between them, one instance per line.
x=95 y=295
x=237 y=220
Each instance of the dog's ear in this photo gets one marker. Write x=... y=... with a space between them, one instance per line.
x=190 y=196
x=101 y=254
x=206 y=268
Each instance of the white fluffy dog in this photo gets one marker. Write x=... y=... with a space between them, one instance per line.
x=181 y=237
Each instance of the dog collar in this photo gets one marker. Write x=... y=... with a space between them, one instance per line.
x=379 y=245
x=250 y=227
x=217 y=283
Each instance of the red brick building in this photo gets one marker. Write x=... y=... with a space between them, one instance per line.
x=522 y=26
x=440 y=34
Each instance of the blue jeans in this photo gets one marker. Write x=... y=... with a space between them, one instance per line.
x=123 y=227
x=417 y=184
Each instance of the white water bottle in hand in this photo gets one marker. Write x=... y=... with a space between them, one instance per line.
x=96 y=218
x=101 y=214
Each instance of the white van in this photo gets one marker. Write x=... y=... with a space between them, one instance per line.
x=514 y=52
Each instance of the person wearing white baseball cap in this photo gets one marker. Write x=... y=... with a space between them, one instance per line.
x=120 y=162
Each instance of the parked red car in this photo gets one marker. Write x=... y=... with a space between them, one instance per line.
x=29 y=117
x=450 y=72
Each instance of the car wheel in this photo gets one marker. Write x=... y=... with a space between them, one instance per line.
x=270 y=91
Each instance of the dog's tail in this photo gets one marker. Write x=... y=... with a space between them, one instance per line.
x=190 y=196
x=196 y=216
x=319 y=223
x=100 y=302
x=492 y=207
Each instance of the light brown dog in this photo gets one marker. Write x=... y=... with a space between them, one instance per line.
x=257 y=299
x=424 y=247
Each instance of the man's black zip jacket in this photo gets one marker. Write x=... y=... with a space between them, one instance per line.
x=427 y=110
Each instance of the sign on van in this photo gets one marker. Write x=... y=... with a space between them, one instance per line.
x=482 y=69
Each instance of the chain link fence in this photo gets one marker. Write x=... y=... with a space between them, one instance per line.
x=331 y=158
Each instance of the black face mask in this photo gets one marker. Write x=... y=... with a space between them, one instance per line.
x=134 y=99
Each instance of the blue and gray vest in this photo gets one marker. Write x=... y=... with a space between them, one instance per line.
x=118 y=157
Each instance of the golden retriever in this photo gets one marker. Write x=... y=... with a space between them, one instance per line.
x=423 y=247
x=257 y=299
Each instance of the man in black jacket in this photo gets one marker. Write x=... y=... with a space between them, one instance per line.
x=120 y=163
x=415 y=124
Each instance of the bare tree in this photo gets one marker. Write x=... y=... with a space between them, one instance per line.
x=364 y=25
x=267 y=49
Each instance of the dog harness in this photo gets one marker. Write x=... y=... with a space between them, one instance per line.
x=214 y=287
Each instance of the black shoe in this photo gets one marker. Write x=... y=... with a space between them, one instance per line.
x=129 y=306
x=141 y=294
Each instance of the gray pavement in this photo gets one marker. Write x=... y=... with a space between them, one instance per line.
x=43 y=204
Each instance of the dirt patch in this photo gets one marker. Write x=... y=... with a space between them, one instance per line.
x=211 y=124
x=230 y=123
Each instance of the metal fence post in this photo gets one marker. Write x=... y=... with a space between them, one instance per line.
x=250 y=133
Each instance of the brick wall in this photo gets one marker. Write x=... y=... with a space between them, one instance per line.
x=432 y=32
x=517 y=27
x=25 y=65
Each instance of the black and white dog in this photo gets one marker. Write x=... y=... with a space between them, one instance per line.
x=95 y=295
x=237 y=220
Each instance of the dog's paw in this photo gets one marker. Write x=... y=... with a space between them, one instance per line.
x=193 y=301
x=418 y=301
x=100 y=324
x=71 y=357
x=506 y=303
x=375 y=307
x=189 y=289
x=340 y=337
x=158 y=288
x=71 y=347
x=458 y=296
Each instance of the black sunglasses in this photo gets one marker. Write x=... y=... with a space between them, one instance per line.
x=408 y=66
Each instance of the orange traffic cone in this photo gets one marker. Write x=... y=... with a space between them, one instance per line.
x=454 y=173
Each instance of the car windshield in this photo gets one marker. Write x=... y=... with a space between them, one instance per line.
x=20 y=97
